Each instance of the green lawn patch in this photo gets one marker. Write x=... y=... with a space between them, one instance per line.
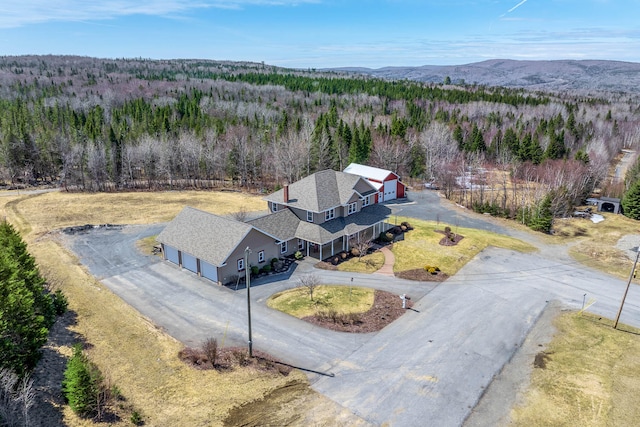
x=342 y=299
x=366 y=264
x=421 y=246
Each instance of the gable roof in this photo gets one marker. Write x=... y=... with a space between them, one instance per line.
x=321 y=191
x=204 y=235
x=370 y=172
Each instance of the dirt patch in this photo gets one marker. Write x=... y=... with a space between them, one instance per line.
x=386 y=308
x=422 y=275
x=293 y=405
x=540 y=361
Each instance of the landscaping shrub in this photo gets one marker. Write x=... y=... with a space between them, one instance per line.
x=60 y=303
x=298 y=255
x=385 y=237
x=274 y=260
x=344 y=255
x=266 y=268
x=407 y=225
x=355 y=252
x=255 y=270
x=82 y=384
x=210 y=349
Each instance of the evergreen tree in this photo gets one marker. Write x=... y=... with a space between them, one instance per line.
x=81 y=383
x=26 y=309
x=477 y=140
x=631 y=201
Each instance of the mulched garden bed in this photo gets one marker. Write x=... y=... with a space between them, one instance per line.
x=447 y=240
x=230 y=357
x=386 y=308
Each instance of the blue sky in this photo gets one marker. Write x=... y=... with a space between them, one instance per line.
x=325 y=33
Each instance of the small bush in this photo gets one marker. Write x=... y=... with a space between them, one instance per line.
x=60 y=303
x=406 y=225
x=242 y=357
x=274 y=260
x=82 y=384
x=447 y=230
x=210 y=349
x=389 y=237
x=255 y=270
x=136 y=418
x=298 y=255
x=335 y=260
x=403 y=228
x=266 y=268
x=355 y=252
x=344 y=255
x=384 y=238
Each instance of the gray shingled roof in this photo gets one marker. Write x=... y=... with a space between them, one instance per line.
x=320 y=191
x=324 y=233
x=204 y=235
x=282 y=225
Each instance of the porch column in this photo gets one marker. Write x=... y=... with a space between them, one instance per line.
x=332 y=248
x=321 y=252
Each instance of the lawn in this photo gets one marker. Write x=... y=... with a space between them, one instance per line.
x=366 y=264
x=591 y=377
x=342 y=299
x=421 y=246
x=595 y=244
x=137 y=357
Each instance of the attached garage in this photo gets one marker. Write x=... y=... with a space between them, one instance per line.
x=189 y=262
x=209 y=271
x=171 y=254
x=390 y=189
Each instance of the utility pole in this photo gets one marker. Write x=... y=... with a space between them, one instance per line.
x=633 y=269
x=247 y=273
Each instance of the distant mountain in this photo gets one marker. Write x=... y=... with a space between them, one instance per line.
x=586 y=76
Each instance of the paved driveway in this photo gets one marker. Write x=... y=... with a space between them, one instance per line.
x=430 y=366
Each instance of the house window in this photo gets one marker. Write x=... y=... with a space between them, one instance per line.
x=309 y=216
x=330 y=214
x=366 y=201
x=261 y=256
x=274 y=207
x=241 y=264
x=283 y=247
x=300 y=244
x=353 y=207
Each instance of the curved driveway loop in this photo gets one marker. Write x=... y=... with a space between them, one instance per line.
x=430 y=366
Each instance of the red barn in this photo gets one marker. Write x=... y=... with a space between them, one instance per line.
x=386 y=182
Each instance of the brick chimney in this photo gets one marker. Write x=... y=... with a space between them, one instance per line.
x=286 y=193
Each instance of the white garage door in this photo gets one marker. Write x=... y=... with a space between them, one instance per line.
x=390 y=188
x=209 y=271
x=171 y=254
x=189 y=262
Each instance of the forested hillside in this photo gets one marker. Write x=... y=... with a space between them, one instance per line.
x=102 y=125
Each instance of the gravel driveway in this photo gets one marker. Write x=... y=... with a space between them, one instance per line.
x=433 y=363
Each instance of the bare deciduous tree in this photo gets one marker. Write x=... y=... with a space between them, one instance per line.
x=310 y=282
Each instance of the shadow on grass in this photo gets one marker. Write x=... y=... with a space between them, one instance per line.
x=48 y=375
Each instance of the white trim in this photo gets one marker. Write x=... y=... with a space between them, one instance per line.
x=283 y=247
x=366 y=200
x=274 y=207
x=309 y=216
x=241 y=264
x=261 y=256
x=330 y=214
x=300 y=244
x=352 y=208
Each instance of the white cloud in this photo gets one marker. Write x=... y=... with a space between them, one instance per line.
x=18 y=13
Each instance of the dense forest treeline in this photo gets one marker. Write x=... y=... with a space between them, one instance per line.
x=99 y=124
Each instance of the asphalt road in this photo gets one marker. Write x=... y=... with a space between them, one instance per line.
x=430 y=367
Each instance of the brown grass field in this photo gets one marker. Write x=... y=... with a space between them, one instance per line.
x=138 y=358
x=591 y=374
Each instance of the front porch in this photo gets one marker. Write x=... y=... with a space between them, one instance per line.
x=342 y=243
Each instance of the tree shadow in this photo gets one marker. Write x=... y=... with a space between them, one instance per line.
x=49 y=373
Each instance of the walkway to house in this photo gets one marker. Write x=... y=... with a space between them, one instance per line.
x=389 y=260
